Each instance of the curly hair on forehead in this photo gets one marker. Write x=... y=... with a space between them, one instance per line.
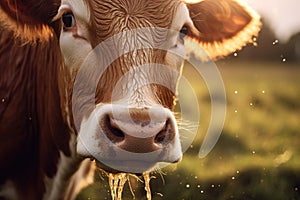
x=113 y=16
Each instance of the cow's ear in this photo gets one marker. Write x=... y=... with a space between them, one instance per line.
x=29 y=19
x=221 y=27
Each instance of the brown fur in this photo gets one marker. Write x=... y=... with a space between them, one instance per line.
x=32 y=128
x=112 y=17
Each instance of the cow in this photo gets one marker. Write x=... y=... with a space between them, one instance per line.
x=85 y=80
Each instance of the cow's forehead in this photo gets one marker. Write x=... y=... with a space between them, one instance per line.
x=113 y=16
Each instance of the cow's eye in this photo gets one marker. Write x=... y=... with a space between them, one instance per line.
x=68 y=20
x=183 y=32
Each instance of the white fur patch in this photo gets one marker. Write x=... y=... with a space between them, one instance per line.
x=70 y=177
x=8 y=191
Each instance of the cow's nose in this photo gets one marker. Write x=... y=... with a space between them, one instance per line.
x=137 y=130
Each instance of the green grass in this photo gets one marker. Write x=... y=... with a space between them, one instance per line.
x=258 y=153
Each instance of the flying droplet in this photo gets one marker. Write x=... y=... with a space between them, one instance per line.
x=253 y=152
x=159 y=194
x=187 y=186
x=233 y=178
x=236 y=92
x=235 y=111
x=3 y=100
x=235 y=54
x=202 y=191
x=254 y=41
x=263 y=92
x=275 y=42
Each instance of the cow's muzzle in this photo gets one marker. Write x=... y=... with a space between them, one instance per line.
x=130 y=139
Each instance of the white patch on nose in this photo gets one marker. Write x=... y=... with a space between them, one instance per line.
x=139 y=129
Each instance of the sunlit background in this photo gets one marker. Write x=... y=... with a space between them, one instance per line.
x=258 y=153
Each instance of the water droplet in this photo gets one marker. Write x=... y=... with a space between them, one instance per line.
x=213 y=186
x=235 y=54
x=296 y=189
x=29 y=118
x=187 y=186
x=254 y=39
x=237 y=171
x=275 y=42
x=283 y=59
x=263 y=92
x=251 y=104
x=236 y=92
x=3 y=100
x=198 y=186
x=196 y=177
x=235 y=111
x=253 y=152
x=159 y=194
x=202 y=191
x=233 y=178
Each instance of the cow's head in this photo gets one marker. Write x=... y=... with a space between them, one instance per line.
x=125 y=58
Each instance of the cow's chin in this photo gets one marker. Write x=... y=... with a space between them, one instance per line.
x=132 y=167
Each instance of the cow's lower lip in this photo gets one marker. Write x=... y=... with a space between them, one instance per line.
x=116 y=166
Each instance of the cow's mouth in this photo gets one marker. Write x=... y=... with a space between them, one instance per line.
x=117 y=180
x=136 y=167
x=132 y=167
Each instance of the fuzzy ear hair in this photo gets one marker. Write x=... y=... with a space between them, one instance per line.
x=30 y=20
x=221 y=27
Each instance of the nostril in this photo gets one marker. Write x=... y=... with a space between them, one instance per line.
x=112 y=131
x=166 y=134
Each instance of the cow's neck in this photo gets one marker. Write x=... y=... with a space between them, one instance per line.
x=35 y=138
x=58 y=186
x=38 y=185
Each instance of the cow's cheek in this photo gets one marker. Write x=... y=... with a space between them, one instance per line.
x=175 y=57
x=74 y=50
